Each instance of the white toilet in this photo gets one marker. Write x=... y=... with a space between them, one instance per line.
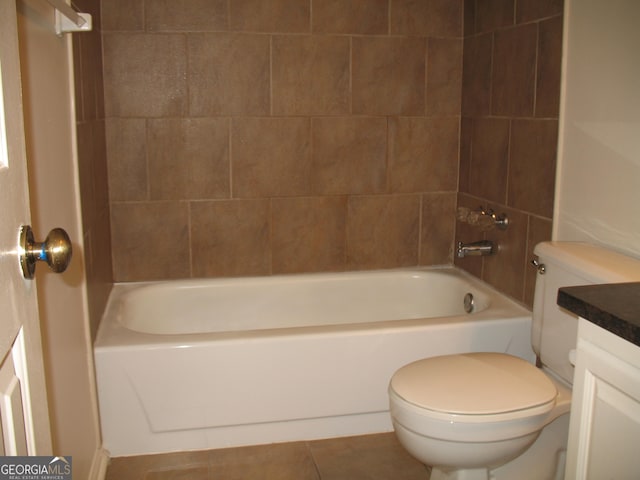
x=481 y=416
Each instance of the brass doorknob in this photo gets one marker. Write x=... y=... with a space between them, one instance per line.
x=55 y=250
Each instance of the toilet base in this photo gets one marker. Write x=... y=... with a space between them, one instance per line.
x=544 y=460
x=453 y=457
x=470 y=474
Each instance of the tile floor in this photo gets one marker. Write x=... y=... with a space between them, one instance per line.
x=367 y=457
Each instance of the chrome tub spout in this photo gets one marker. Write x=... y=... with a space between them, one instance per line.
x=476 y=249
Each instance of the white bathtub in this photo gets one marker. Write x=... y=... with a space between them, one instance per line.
x=190 y=365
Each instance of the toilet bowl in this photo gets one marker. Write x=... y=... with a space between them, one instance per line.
x=481 y=416
x=476 y=412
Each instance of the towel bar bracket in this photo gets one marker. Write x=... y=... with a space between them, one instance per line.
x=68 y=20
x=65 y=25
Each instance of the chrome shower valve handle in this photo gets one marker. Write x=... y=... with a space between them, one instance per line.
x=485 y=219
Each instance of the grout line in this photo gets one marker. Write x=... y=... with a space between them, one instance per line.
x=493 y=46
x=190 y=238
x=535 y=72
x=230 y=155
x=313 y=459
x=146 y=159
x=271 y=75
x=144 y=16
x=270 y=243
x=350 y=75
x=523 y=293
x=421 y=197
x=509 y=140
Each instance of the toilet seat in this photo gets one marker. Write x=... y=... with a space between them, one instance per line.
x=474 y=388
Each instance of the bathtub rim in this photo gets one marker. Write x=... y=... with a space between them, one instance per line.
x=113 y=335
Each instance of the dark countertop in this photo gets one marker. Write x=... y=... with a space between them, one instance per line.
x=614 y=307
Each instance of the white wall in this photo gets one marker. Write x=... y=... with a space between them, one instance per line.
x=598 y=184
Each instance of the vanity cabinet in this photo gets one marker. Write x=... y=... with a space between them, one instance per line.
x=604 y=431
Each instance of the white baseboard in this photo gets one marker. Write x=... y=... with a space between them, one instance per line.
x=99 y=464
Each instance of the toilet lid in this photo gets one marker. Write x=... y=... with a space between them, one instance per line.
x=473 y=384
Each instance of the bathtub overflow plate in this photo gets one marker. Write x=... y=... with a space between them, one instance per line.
x=468 y=303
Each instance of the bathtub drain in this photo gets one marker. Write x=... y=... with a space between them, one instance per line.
x=468 y=303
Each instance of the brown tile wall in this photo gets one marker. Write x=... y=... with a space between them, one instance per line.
x=92 y=162
x=258 y=137
x=509 y=130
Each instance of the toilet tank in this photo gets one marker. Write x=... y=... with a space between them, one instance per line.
x=554 y=329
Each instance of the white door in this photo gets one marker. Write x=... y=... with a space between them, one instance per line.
x=25 y=428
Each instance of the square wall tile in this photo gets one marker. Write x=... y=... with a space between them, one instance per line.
x=469 y=17
x=99 y=269
x=506 y=270
x=127 y=159
x=446 y=18
x=99 y=165
x=311 y=75
x=230 y=238
x=188 y=158
x=532 y=165
x=430 y=18
x=529 y=10
x=145 y=75
x=194 y=15
x=423 y=154
x=489 y=159
x=350 y=16
x=382 y=231
x=271 y=156
x=349 y=155
x=494 y=14
x=467 y=233
x=89 y=76
x=549 y=67
x=476 y=75
x=86 y=172
x=514 y=71
x=388 y=75
x=466 y=133
x=271 y=16
x=444 y=76
x=229 y=74
x=122 y=15
x=437 y=228
x=309 y=234
x=150 y=241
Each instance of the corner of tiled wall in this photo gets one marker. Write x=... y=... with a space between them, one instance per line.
x=259 y=137
x=511 y=92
